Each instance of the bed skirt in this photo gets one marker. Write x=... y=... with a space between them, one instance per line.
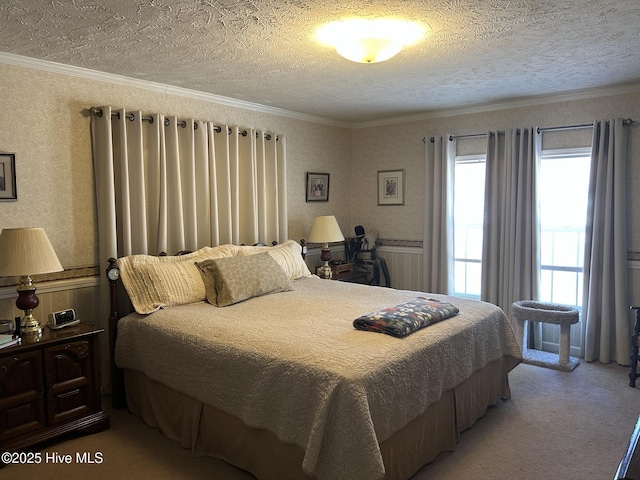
x=208 y=431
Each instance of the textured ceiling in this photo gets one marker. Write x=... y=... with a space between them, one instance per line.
x=264 y=51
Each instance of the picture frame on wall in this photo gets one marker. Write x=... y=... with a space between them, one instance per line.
x=390 y=187
x=8 y=177
x=317 y=187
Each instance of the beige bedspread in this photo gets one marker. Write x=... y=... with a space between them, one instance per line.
x=292 y=363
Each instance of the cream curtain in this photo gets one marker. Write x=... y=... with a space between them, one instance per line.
x=605 y=309
x=510 y=253
x=438 y=224
x=165 y=185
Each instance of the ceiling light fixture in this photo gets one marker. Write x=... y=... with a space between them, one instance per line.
x=369 y=41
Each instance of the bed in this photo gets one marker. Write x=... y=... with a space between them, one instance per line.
x=280 y=383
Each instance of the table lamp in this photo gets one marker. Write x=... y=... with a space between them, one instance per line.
x=325 y=229
x=25 y=252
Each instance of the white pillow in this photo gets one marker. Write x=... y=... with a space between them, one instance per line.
x=158 y=282
x=288 y=255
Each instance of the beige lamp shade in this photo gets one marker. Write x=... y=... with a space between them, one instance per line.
x=325 y=229
x=26 y=251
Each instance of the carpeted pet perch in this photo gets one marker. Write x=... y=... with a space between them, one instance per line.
x=562 y=315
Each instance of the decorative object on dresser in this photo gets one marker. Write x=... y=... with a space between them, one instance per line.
x=49 y=386
x=27 y=251
x=325 y=229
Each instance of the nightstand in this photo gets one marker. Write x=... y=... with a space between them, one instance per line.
x=50 y=387
x=346 y=273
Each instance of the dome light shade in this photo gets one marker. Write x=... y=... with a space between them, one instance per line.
x=369 y=41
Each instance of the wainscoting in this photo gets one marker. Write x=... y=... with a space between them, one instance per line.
x=405 y=266
x=81 y=294
x=404 y=263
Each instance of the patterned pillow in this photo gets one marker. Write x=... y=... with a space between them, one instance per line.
x=288 y=254
x=158 y=282
x=405 y=318
x=235 y=279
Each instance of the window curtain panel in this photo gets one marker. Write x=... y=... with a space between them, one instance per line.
x=510 y=254
x=605 y=309
x=166 y=185
x=438 y=224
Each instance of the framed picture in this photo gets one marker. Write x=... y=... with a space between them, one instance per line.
x=390 y=187
x=317 y=187
x=8 y=176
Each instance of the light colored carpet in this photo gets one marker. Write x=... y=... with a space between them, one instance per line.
x=560 y=425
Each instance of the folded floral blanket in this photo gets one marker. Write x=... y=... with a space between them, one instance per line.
x=405 y=318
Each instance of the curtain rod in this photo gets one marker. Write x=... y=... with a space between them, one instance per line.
x=181 y=123
x=626 y=122
x=451 y=137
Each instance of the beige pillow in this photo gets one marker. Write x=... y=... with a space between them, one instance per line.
x=158 y=282
x=235 y=279
x=288 y=255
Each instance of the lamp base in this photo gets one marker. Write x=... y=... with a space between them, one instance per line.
x=27 y=301
x=30 y=326
x=325 y=255
x=324 y=271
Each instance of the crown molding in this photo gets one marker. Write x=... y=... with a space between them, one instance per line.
x=492 y=107
x=81 y=72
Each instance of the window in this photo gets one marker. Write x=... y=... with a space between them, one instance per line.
x=563 y=211
x=563 y=214
x=468 y=217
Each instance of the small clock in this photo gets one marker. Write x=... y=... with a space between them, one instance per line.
x=113 y=273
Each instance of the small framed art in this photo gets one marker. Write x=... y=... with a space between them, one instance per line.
x=317 y=187
x=390 y=187
x=8 y=176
